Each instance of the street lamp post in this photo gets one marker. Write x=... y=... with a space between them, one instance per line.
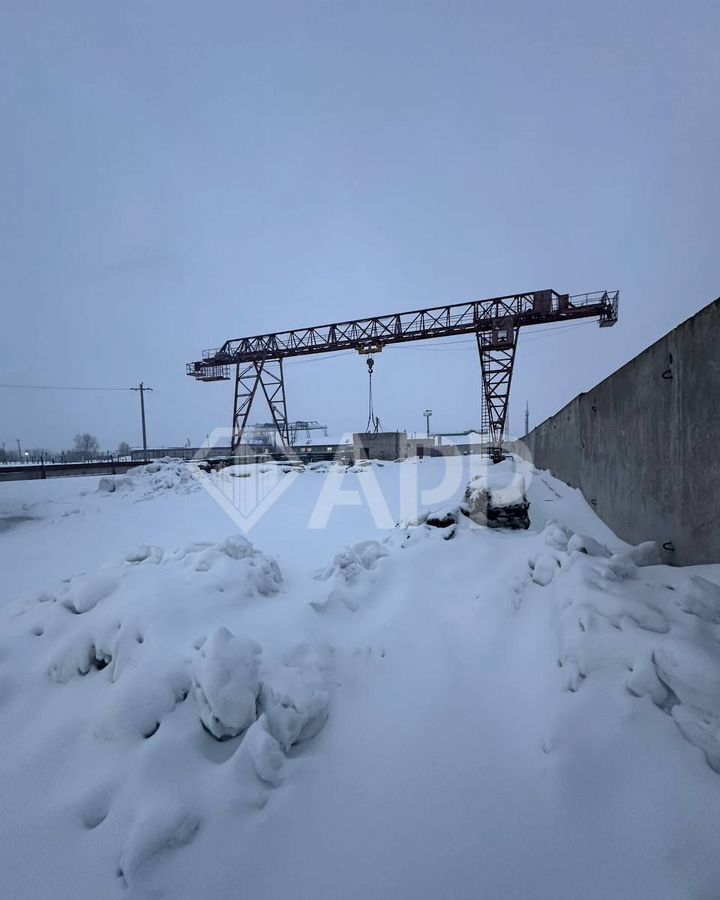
x=427 y=414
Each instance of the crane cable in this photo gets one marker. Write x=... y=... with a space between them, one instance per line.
x=373 y=423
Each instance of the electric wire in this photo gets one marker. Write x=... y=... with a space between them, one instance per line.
x=52 y=387
x=535 y=334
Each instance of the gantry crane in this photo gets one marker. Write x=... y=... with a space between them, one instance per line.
x=495 y=322
x=265 y=432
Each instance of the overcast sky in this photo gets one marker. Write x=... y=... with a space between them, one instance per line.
x=175 y=174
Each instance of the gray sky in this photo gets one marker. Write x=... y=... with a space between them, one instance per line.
x=175 y=174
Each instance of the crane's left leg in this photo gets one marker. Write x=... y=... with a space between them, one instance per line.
x=247 y=378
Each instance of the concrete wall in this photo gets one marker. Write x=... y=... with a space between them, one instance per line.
x=644 y=445
x=63 y=470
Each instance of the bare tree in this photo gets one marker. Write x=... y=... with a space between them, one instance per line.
x=39 y=453
x=124 y=449
x=87 y=445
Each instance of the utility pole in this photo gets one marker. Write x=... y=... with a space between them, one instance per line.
x=527 y=417
x=427 y=414
x=19 y=450
x=142 y=390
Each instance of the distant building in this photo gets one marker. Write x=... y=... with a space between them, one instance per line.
x=422 y=446
x=386 y=445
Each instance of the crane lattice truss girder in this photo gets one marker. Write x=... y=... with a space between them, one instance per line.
x=496 y=323
x=532 y=308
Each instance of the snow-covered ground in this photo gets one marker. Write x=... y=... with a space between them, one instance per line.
x=342 y=703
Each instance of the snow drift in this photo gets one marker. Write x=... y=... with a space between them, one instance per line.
x=356 y=712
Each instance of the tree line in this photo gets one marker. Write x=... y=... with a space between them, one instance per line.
x=86 y=448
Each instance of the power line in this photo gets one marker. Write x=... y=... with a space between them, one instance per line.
x=52 y=387
x=563 y=328
x=320 y=357
x=534 y=334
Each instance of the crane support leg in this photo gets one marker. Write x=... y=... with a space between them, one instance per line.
x=497 y=357
x=268 y=375
x=273 y=385
x=247 y=379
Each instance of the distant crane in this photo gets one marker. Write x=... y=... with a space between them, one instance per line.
x=266 y=432
x=307 y=427
x=495 y=322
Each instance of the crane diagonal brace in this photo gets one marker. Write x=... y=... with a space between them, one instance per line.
x=247 y=379
x=268 y=375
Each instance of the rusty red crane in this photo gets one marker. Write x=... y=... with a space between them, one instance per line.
x=496 y=322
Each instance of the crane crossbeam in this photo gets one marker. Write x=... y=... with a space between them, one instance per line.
x=496 y=322
x=474 y=316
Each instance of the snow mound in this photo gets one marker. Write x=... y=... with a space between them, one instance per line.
x=158 y=830
x=701 y=729
x=544 y=567
x=83 y=592
x=260 y=573
x=582 y=543
x=145 y=553
x=295 y=701
x=117 y=676
x=350 y=573
x=701 y=598
x=154 y=478
x=608 y=619
x=250 y=470
x=443 y=518
x=494 y=500
x=262 y=751
x=556 y=536
x=225 y=683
